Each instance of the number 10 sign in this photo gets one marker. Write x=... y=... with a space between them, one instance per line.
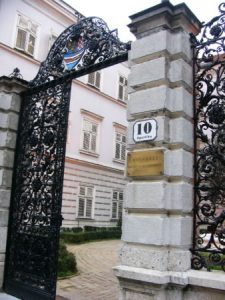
x=145 y=130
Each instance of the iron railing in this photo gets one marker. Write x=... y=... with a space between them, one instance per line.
x=209 y=116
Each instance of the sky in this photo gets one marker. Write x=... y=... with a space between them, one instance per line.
x=116 y=12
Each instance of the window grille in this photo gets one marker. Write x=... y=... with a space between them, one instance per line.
x=26 y=35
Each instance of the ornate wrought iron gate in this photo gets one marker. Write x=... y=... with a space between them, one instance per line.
x=209 y=104
x=35 y=214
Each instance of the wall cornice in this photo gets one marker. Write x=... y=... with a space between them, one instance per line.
x=93 y=165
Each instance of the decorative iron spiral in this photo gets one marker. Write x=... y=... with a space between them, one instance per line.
x=209 y=62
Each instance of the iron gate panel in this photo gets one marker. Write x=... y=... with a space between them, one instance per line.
x=37 y=193
x=209 y=104
x=35 y=212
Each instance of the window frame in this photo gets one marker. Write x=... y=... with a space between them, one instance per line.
x=124 y=86
x=119 y=203
x=94 y=119
x=28 y=34
x=122 y=146
x=95 y=83
x=91 y=134
x=85 y=198
x=121 y=130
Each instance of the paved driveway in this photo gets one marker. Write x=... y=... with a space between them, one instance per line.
x=95 y=280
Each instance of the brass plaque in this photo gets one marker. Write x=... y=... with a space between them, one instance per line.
x=145 y=163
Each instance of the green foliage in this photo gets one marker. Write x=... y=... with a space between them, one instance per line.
x=119 y=223
x=81 y=237
x=73 y=229
x=100 y=229
x=213 y=265
x=77 y=235
x=66 y=262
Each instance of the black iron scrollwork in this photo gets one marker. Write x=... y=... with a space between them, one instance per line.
x=209 y=63
x=81 y=45
x=37 y=193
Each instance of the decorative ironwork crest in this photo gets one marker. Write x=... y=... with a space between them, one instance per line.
x=209 y=211
x=81 y=45
x=35 y=214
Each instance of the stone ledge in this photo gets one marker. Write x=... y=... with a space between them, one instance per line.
x=213 y=280
x=12 y=85
x=140 y=274
x=4 y=296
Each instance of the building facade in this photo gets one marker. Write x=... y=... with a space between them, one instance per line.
x=95 y=153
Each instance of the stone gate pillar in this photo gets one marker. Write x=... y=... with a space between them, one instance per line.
x=10 y=100
x=157 y=224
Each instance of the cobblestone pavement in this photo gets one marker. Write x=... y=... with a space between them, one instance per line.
x=96 y=280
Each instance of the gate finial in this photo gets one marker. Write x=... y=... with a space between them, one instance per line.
x=16 y=74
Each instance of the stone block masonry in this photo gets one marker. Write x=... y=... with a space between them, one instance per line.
x=158 y=210
x=10 y=101
x=157 y=223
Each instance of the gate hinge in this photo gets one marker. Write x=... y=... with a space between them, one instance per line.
x=61 y=219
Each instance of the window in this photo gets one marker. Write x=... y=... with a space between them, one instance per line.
x=119 y=152
x=94 y=79
x=117 y=203
x=26 y=35
x=120 y=146
x=122 y=92
x=90 y=131
x=90 y=135
x=85 y=201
